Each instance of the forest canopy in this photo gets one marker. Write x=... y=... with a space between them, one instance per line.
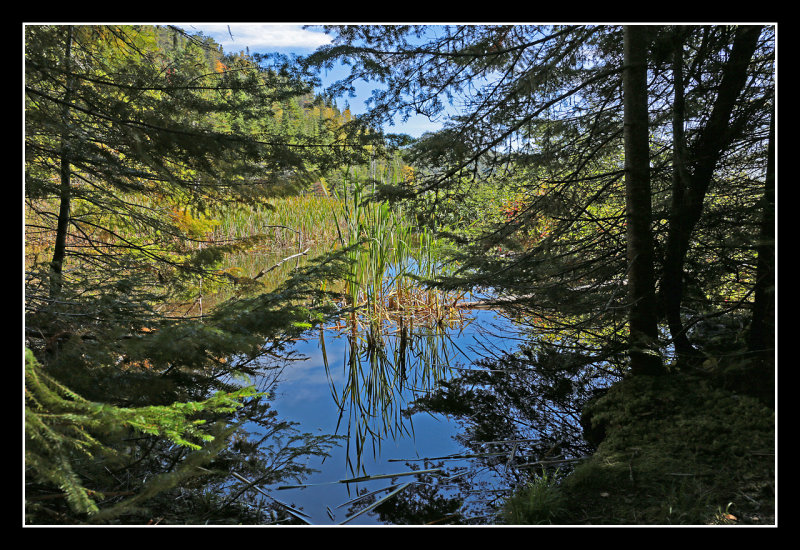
x=540 y=112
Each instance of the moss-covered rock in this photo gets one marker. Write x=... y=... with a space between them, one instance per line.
x=674 y=449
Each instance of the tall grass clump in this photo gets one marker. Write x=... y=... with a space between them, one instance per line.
x=539 y=503
x=390 y=256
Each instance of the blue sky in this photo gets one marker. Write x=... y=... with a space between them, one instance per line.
x=261 y=37
x=293 y=38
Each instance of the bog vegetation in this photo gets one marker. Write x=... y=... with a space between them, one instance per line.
x=190 y=213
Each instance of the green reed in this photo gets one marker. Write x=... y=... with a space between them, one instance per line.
x=389 y=254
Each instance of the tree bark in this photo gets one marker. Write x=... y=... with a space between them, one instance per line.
x=642 y=315
x=671 y=283
x=65 y=193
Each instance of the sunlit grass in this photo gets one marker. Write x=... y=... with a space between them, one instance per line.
x=309 y=218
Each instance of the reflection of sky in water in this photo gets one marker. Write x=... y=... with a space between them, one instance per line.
x=304 y=395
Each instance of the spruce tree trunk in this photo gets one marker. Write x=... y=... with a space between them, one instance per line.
x=696 y=169
x=671 y=284
x=642 y=315
x=65 y=194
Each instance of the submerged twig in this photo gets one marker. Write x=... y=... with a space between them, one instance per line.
x=359 y=479
x=448 y=457
x=302 y=516
x=377 y=503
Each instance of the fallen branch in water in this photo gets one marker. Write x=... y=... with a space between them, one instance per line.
x=265 y=271
x=377 y=503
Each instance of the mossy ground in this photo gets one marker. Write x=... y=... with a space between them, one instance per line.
x=675 y=450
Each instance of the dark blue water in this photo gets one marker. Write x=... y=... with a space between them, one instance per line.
x=305 y=395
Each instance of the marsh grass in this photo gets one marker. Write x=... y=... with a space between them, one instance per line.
x=283 y=221
x=396 y=328
x=390 y=255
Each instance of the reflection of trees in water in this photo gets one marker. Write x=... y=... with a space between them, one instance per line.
x=386 y=365
x=519 y=415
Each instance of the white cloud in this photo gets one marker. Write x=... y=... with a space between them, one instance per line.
x=260 y=37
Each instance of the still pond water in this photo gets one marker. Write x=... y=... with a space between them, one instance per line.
x=305 y=394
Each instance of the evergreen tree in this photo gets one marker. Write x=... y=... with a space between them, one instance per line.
x=61 y=426
x=135 y=136
x=642 y=318
x=696 y=163
x=538 y=112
